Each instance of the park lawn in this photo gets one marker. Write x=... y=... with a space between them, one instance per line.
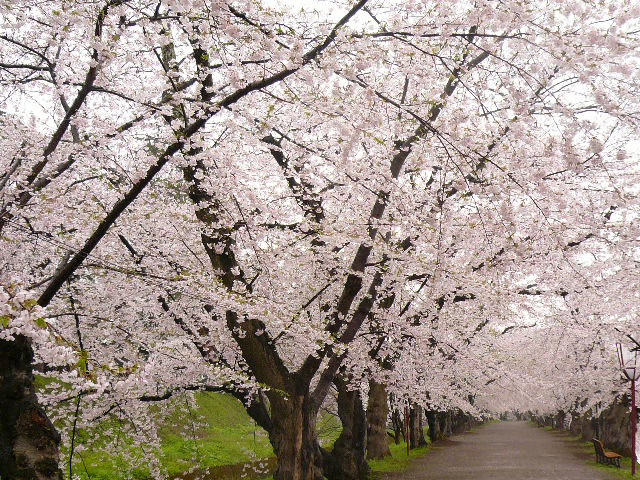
x=399 y=460
x=216 y=433
x=228 y=437
x=587 y=447
x=624 y=472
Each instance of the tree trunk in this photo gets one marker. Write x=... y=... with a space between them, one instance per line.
x=445 y=427
x=347 y=460
x=416 y=433
x=422 y=439
x=294 y=437
x=461 y=421
x=377 y=412
x=398 y=426
x=28 y=440
x=434 y=425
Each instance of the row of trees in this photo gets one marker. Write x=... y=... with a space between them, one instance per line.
x=432 y=201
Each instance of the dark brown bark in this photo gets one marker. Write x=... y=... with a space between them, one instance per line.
x=293 y=412
x=377 y=412
x=294 y=438
x=422 y=439
x=461 y=422
x=29 y=443
x=416 y=433
x=398 y=426
x=347 y=460
x=434 y=425
x=445 y=424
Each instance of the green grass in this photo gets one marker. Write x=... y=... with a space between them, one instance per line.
x=587 y=447
x=398 y=461
x=216 y=433
x=328 y=427
x=624 y=472
x=230 y=435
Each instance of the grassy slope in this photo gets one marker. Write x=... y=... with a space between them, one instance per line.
x=229 y=437
x=218 y=433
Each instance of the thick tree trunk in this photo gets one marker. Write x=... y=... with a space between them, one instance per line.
x=421 y=438
x=28 y=440
x=347 y=460
x=445 y=424
x=461 y=422
x=434 y=425
x=294 y=438
x=398 y=426
x=416 y=433
x=377 y=412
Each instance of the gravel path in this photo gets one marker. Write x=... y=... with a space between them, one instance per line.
x=504 y=451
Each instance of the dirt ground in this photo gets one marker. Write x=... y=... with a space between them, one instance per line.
x=504 y=451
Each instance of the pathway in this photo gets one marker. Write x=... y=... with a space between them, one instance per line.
x=504 y=451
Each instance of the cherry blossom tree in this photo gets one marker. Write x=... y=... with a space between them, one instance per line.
x=267 y=200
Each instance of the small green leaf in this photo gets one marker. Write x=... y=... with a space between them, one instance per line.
x=82 y=362
x=30 y=302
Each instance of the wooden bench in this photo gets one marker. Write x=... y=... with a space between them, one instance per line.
x=602 y=456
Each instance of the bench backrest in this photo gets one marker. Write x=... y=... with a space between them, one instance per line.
x=597 y=444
